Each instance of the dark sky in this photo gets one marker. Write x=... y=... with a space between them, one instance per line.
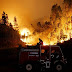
x=27 y=10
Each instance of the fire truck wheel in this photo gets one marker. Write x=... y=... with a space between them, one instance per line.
x=28 y=67
x=59 y=67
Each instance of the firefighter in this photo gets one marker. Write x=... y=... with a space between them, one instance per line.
x=40 y=42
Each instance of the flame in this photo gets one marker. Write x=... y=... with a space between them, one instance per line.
x=44 y=43
x=24 y=36
x=25 y=32
x=63 y=33
x=62 y=41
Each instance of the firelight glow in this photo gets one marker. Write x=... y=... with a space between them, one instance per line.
x=24 y=36
x=45 y=43
x=62 y=41
x=25 y=32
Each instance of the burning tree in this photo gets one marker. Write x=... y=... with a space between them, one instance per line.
x=58 y=28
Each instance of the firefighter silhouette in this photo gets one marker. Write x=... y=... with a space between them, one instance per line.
x=40 y=42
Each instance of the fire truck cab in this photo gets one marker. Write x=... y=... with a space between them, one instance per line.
x=41 y=58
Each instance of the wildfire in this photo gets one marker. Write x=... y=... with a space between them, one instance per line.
x=62 y=41
x=62 y=34
x=57 y=29
x=25 y=32
x=24 y=35
x=45 y=43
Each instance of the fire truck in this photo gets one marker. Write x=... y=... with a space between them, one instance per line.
x=41 y=58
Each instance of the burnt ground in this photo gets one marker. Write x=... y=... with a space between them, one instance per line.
x=9 y=61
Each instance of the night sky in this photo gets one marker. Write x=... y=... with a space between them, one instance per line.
x=27 y=10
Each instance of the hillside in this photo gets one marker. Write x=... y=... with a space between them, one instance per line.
x=9 y=37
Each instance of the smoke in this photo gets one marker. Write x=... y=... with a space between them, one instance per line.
x=56 y=29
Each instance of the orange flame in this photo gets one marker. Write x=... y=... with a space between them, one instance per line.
x=52 y=40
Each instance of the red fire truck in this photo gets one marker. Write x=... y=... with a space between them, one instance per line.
x=41 y=58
